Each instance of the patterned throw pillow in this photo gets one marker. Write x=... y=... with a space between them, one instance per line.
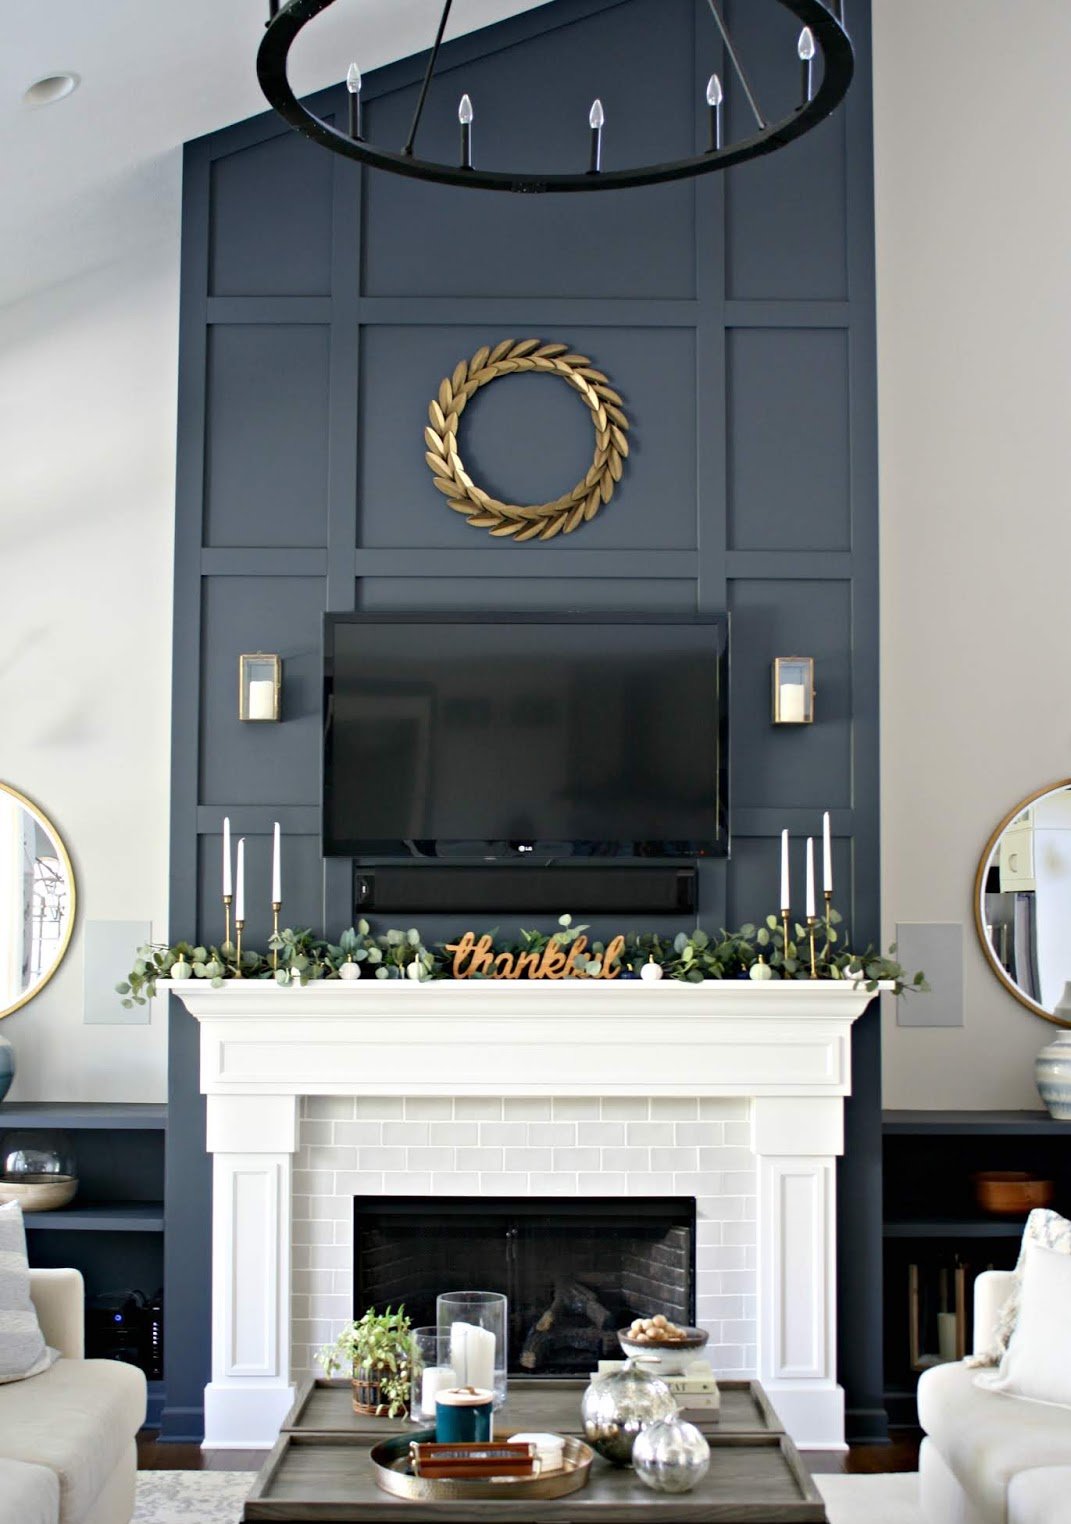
x=1052 y=1231
x=23 y=1351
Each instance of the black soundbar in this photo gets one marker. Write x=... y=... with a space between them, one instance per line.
x=665 y=890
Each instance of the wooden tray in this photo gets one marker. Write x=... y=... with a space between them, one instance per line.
x=329 y=1479
x=533 y=1406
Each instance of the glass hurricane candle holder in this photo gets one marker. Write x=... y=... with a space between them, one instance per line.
x=474 y=1326
x=432 y=1373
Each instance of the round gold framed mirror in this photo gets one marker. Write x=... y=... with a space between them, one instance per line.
x=37 y=899
x=1022 y=902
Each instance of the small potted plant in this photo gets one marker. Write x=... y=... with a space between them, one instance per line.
x=377 y=1349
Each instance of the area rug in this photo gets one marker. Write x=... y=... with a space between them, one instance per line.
x=216 y=1497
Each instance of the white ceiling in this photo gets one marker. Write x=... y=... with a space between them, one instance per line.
x=93 y=177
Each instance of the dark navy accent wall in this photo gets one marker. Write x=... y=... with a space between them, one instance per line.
x=321 y=305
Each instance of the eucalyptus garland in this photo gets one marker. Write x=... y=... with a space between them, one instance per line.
x=301 y=957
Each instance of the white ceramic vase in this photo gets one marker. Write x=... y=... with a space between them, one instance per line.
x=1052 y=1069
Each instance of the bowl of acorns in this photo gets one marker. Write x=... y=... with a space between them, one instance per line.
x=664 y=1348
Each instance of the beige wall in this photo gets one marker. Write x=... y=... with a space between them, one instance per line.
x=87 y=461
x=972 y=155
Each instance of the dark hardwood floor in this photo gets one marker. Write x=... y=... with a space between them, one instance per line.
x=902 y=1454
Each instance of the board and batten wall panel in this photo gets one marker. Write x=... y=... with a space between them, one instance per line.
x=321 y=306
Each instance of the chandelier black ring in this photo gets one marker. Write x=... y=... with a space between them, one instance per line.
x=828 y=32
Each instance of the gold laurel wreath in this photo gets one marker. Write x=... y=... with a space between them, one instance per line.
x=542 y=520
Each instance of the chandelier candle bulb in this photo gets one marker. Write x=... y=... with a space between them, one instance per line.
x=805 y=49
x=596 y=120
x=465 y=114
x=353 y=96
x=715 y=99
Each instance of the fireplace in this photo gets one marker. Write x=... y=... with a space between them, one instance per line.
x=726 y=1092
x=574 y=1270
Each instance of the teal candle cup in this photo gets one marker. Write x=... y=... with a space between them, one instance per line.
x=463 y=1415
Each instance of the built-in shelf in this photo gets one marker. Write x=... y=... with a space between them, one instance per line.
x=952 y=1228
x=1023 y=1124
x=93 y=1115
x=100 y=1217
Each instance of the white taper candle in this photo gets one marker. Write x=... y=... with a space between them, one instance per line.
x=785 y=901
x=827 y=855
x=810 y=876
x=276 y=868
x=227 y=886
x=239 y=882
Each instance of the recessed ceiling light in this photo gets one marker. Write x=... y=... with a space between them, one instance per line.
x=53 y=87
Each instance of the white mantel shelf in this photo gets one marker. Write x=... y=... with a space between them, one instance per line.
x=785 y=1045
x=496 y=1037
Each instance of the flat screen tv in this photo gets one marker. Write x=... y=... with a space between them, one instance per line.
x=510 y=737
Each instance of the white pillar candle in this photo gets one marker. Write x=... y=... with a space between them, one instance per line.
x=827 y=855
x=472 y=1355
x=262 y=699
x=785 y=901
x=276 y=868
x=792 y=706
x=436 y=1378
x=227 y=887
x=239 y=882
x=810 y=876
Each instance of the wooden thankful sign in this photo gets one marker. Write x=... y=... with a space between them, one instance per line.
x=474 y=955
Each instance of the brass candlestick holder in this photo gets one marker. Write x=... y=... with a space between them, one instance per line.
x=238 y=928
x=812 y=922
x=276 y=906
x=827 y=895
x=786 y=911
x=227 y=902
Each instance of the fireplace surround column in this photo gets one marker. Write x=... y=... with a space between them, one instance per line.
x=252 y=1140
x=796 y=1141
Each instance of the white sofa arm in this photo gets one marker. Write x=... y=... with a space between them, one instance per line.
x=991 y=1290
x=59 y=1297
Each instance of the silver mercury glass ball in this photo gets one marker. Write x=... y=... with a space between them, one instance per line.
x=671 y=1456
x=617 y=1407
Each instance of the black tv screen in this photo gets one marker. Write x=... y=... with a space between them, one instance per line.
x=505 y=736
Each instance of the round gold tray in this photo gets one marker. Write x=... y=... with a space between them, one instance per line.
x=391 y=1464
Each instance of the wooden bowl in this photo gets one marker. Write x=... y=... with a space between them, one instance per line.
x=1010 y=1192
x=38 y=1193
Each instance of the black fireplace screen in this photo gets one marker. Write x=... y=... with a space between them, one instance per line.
x=574 y=1270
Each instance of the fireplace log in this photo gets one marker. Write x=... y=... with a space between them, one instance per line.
x=582 y=1301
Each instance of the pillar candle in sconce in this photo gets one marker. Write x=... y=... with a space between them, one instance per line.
x=260 y=681
x=793 y=690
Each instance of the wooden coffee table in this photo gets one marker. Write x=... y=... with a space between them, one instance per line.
x=319 y=1470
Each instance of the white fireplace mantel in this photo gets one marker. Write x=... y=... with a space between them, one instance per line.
x=786 y=1046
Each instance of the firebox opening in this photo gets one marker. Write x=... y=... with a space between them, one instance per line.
x=575 y=1270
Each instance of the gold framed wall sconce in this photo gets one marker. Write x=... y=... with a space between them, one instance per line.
x=793 y=690
x=260 y=687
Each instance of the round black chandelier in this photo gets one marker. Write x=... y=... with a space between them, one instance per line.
x=822 y=32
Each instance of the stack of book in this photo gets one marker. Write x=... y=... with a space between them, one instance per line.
x=696 y=1388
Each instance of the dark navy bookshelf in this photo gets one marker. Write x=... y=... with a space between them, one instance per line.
x=931 y=1220
x=113 y=1230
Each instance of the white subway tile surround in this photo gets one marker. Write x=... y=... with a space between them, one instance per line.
x=665 y=1146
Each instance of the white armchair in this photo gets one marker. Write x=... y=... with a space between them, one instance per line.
x=67 y=1437
x=989 y=1458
